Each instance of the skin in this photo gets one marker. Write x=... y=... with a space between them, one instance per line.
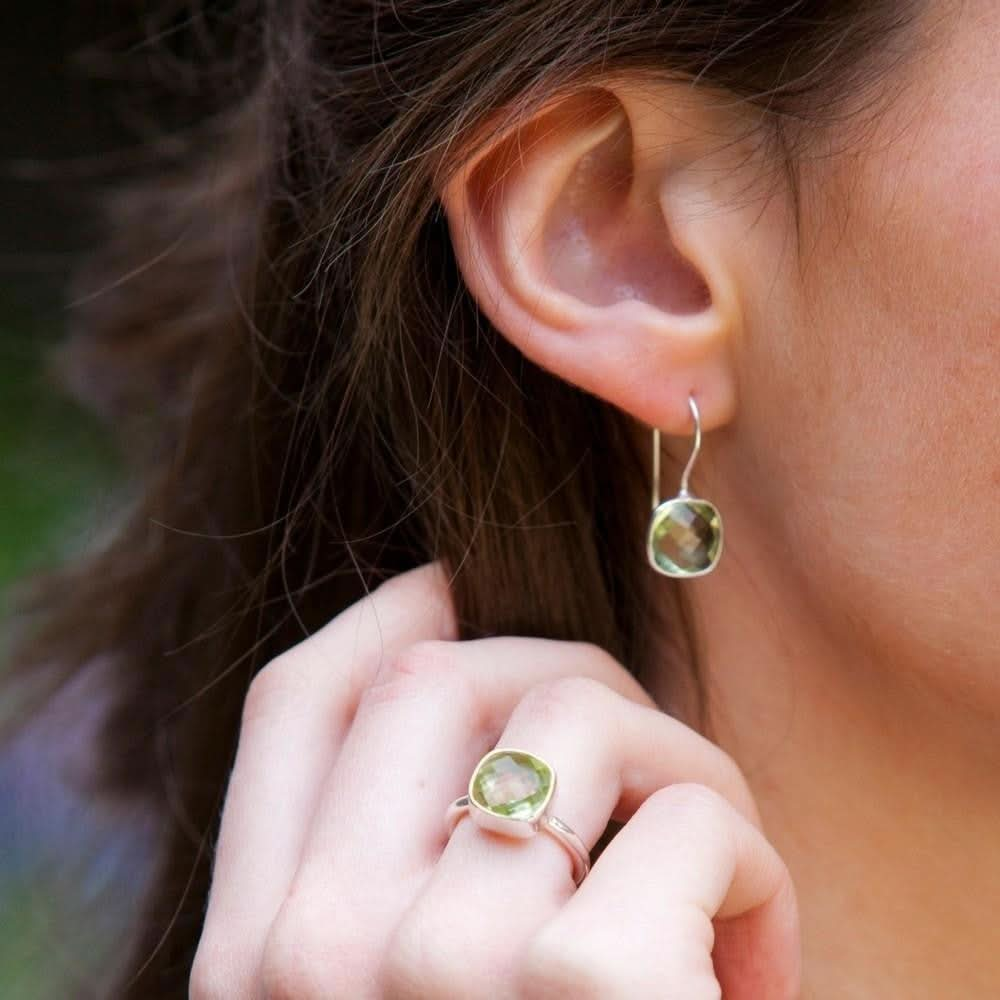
x=334 y=875
x=833 y=832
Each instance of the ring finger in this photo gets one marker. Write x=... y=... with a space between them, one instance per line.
x=379 y=828
x=488 y=894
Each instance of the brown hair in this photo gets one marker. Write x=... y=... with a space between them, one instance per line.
x=313 y=401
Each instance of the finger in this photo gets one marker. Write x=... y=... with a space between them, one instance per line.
x=489 y=893
x=641 y=923
x=294 y=720
x=420 y=728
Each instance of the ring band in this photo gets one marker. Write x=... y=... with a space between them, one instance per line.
x=509 y=792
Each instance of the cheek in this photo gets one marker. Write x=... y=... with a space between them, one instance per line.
x=909 y=327
x=912 y=288
x=885 y=400
x=928 y=201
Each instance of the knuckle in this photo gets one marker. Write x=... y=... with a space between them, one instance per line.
x=599 y=657
x=690 y=971
x=563 y=964
x=289 y=982
x=692 y=941
x=693 y=983
x=563 y=967
x=272 y=689
x=576 y=696
x=306 y=958
x=213 y=972
x=607 y=669
x=690 y=802
x=690 y=797
x=736 y=784
x=424 y=659
x=727 y=780
x=420 y=963
x=731 y=772
x=430 y=665
x=426 y=585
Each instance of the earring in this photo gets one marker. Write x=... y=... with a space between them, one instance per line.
x=684 y=538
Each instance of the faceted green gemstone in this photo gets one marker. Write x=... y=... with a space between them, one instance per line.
x=512 y=783
x=685 y=536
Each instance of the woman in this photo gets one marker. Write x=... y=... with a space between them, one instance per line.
x=406 y=328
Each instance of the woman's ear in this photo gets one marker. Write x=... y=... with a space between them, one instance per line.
x=595 y=237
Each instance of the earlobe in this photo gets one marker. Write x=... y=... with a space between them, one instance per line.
x=583 y=240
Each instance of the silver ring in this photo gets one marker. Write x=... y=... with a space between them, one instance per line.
x=509 y=792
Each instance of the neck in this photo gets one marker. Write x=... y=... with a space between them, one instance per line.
x=881 y=792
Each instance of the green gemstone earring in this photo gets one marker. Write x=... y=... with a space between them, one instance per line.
x=685 y=532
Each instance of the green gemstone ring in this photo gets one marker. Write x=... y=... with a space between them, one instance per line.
x=509 y=792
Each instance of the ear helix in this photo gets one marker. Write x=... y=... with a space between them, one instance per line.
x=684 y=537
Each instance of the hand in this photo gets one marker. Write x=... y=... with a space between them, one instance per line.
x=334 y=877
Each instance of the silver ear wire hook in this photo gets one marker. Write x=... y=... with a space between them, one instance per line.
x=686 y=474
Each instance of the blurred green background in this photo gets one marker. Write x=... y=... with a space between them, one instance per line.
x=66 y=885
x=56 y=474
x=62 y=129
x=57 y=462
